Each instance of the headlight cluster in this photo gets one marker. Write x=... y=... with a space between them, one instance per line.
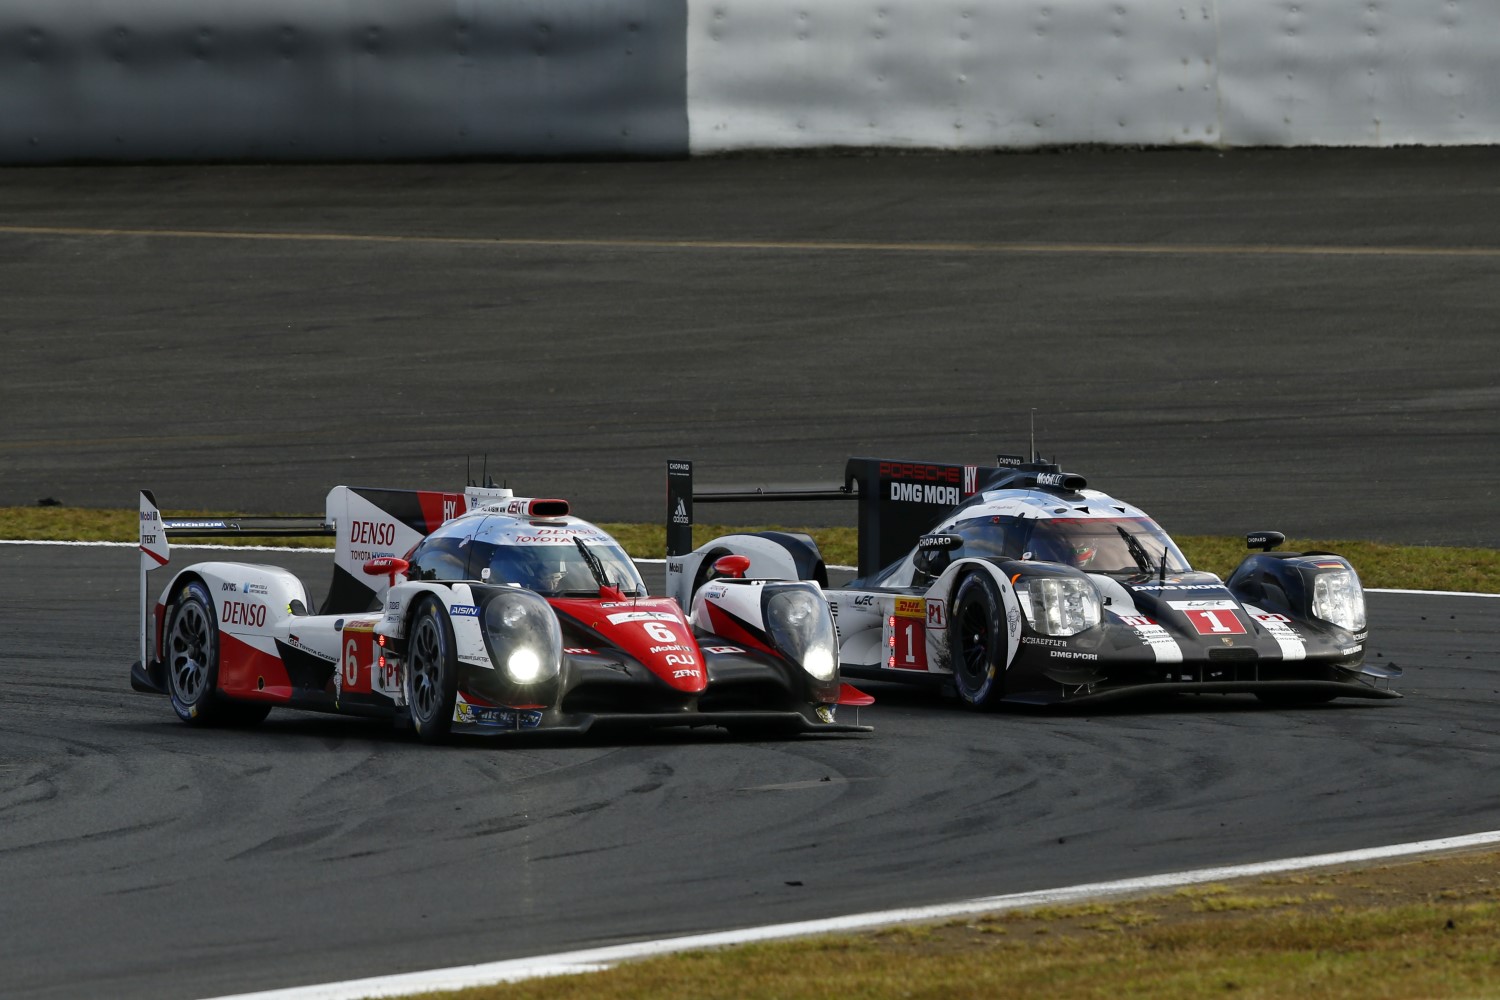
x=802 y=628
x=1339 y=599
x=1062 y=605
x=523 y=636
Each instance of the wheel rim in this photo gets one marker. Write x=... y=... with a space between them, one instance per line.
x=974 y=632
x=426 y=669
x=188 y=647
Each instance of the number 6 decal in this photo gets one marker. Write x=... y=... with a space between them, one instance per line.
x=659 y=632
x=351 y=664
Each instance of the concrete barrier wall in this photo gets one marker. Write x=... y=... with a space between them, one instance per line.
x=131 y=80
x=964 y=74
x=1360 y=72
x=339 y=79
x=948 y=73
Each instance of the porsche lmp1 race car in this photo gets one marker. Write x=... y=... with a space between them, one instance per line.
x=476 y=613
x=1018 y=584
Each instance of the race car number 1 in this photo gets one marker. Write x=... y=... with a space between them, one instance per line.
x=1216 y=622
x=908 y=644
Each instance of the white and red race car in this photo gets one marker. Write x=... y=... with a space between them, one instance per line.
x=478 y=613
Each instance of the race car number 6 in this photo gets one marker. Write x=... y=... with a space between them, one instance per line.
x=351 y=664
x=659 y=632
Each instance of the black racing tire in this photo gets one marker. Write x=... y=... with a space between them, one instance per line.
x=431 y=671
x=976 y=641
x=190 y=647
x=1281 y=699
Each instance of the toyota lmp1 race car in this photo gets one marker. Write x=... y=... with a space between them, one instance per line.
x=476 y=613
x=1016 y=583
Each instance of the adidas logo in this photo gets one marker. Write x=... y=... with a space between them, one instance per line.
x=680 y=515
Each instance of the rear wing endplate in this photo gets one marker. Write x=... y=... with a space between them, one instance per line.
x=898 y=502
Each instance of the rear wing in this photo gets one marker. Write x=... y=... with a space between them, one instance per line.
x=366 y=523
x=156 y=549
x=898 y=501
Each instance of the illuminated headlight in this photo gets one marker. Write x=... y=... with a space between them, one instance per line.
x=523 y=665
x=1338 y=598
x=523 y=637
x=802 y=628
x=1063 y=605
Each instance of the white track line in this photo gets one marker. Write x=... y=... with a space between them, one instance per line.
x=175 y=545
x=643 y=562
x=597 y=959
x=1428 y=593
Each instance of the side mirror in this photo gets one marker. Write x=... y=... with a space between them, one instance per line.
x=386 y=566
x=935 y=552
x=1264 y=540
x=734 y=567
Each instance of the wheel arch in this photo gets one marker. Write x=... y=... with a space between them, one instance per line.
x=773 y=555
x=168 y=605
x=946 y=588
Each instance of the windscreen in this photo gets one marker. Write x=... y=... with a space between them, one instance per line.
x=560 y=570
x=1105 y=545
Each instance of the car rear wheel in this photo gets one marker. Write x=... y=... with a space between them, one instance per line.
x=431 y=672
x=976 y=641
x=190 y=646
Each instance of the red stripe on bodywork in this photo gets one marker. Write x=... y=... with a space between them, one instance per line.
x=439 y=507
x=160 y=561
x=246 y=672
x=728 y=626
x=161 y=623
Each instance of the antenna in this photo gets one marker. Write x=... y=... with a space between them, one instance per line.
x=468 y=475
x=1034 y=456
x=488 y=482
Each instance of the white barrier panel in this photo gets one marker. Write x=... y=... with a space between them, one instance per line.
x=947 y=73
x=973 y=74
x=1360 y=72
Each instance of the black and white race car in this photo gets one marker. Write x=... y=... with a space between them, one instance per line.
x=480 y=613
x=1017 y=583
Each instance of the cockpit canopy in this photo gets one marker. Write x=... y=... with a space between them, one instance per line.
x=1093 y=544
x=1127 y=545
x=555 y=557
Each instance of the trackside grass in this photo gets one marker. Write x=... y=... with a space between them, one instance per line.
x=1419 y=929
x=1415 y=567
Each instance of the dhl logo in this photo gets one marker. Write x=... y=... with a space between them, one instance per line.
x=911 y=607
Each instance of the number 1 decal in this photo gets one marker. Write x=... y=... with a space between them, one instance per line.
x=907 y=643
x=1215 y=622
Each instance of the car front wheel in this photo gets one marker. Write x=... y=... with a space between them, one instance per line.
x=976 y=641
x=431 y=672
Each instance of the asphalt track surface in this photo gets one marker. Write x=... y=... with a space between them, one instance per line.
x=145 y=859
x=1300 y=341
